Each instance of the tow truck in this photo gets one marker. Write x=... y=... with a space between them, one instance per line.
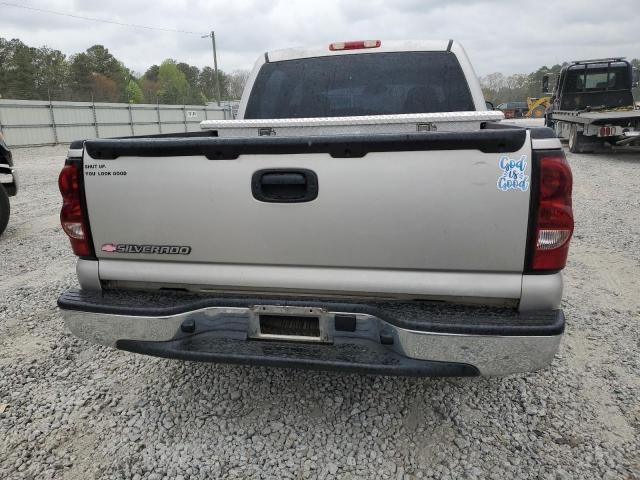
x=592 y=104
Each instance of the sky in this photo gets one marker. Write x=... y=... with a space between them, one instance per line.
x=508 y=36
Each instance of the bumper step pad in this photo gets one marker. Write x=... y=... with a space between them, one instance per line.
x=357 y=356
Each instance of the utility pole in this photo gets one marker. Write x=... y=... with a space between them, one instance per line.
x=215 y=63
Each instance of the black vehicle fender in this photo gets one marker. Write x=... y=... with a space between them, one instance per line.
x=5 y=209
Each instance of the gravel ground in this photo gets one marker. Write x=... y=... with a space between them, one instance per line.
x=73 y=410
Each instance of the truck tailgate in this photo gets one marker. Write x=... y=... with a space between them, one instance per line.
x=421 y=202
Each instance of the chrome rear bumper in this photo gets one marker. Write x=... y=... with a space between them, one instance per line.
x=433 y=342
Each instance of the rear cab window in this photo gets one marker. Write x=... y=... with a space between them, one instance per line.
x=362 y=84
x=597 y=77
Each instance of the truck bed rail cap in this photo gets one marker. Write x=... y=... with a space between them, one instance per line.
x=338 y=146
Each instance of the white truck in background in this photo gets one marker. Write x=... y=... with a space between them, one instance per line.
x=365 y=213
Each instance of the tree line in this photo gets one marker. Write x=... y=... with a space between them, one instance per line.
x=499 y=88
x=43 y=73
x=31 y=73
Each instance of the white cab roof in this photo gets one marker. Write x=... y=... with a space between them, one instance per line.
x=386 y=46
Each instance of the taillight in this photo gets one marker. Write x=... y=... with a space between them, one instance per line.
x=354 y=45
x=553 y=221
x=71 y=215
x=606 y=131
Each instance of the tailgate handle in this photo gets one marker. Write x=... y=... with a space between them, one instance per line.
x=284 y=186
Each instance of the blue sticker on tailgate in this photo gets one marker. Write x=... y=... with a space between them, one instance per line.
x=513 y=175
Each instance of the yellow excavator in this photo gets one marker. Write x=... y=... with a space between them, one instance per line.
x=537 y=106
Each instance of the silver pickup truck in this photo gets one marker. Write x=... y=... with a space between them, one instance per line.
x=365 y=213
